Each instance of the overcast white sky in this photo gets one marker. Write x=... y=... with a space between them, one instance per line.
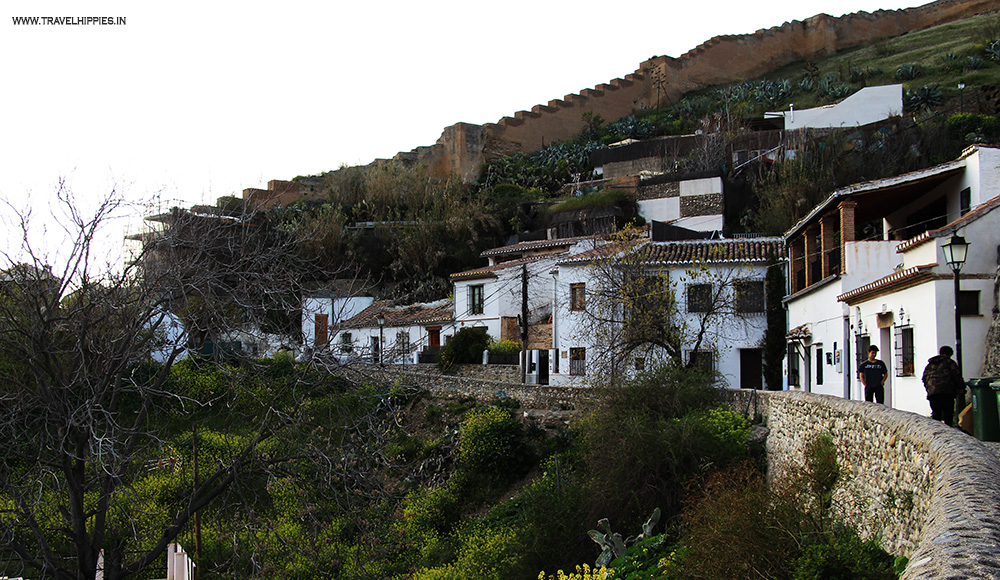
x=193 y=100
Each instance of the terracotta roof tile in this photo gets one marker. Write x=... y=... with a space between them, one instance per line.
x=714 y=251
x=395 y=316
x=492 y=270
x=535 y=245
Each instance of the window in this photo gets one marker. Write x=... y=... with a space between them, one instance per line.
x=699 y=297
x=376 y=350
x=904 y=351
x=702 y=359
x=648 y=304
x=749 y=296
x=793 y=367
x=819 y=365
x=476 y=299
x=346 y=343
x=968 y=302
x=576 y=296
x=965 y=200
x=578 y=361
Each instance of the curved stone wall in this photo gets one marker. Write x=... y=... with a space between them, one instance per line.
x=927 y=491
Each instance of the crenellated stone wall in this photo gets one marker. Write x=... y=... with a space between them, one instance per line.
x=925 y=490
x=721 y=59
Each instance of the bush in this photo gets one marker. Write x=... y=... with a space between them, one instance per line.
x=485 y=553
x=646 y=440
x=505 y=346
x=466 y=347
x=845 y=557
x=492 y=445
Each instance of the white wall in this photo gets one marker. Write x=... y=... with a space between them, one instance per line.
x=726 y=337
x=869 y=105
x=337 y=311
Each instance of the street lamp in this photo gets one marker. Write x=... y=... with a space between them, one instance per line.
x=961 y=96
x=955 y=253
x=381 y=337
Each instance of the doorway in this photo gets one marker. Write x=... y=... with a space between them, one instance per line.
x=751 y=368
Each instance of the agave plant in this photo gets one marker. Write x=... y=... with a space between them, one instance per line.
x=926 y=97
x=806 y=85
x=951 y=62
x=908 y=72
x=974 y=62
x=993 y=50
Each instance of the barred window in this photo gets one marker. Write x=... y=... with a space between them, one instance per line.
x=749 y=296
x=578 y=361
x=699 y=297
x=904 y=351
x=702 y=359
x=577 y=296
x=476 y=299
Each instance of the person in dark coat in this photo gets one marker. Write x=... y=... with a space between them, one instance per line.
x=943 y=382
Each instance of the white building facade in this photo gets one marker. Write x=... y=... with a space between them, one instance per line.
x=727 y=340
x=867 y=268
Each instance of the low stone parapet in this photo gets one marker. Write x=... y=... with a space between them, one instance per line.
x=925 y=490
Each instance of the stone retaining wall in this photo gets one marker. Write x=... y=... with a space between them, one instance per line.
x=927 y=491
x=486 y=383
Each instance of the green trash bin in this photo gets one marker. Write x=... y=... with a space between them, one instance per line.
x=985 y=419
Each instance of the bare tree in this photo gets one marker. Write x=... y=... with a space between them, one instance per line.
x=642 y=304
x=86 y=416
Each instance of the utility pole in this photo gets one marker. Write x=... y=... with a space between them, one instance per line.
x=524 y=323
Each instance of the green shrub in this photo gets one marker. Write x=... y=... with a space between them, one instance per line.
x=492 y=445
x=822 y=470
x=505 y=346
x=466 y=347
x=845 y=557
x=485 y=553
x=646 y=440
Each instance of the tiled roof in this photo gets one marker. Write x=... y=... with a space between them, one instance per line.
x=539 y=244
x=979 y=211
x=491 y=270
x=714 y=251
x=689 y=251
x=599 y=252
x=895 y=281
x=395 y=316
x=799 y=332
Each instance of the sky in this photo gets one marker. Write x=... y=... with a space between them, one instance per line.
x=189 y=101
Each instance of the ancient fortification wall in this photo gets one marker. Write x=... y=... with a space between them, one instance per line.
x=463 y=148
x=927 y=491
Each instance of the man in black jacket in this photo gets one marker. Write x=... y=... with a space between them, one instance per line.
x=943 y=382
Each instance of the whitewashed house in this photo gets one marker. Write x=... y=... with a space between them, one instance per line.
x=867 y=267
x=387 y=334
x=699 y=273
x=491 y=297
x=323 y=313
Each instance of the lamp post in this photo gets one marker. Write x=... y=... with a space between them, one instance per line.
x=381 y=337
x=961 y=96
x=955 y=253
